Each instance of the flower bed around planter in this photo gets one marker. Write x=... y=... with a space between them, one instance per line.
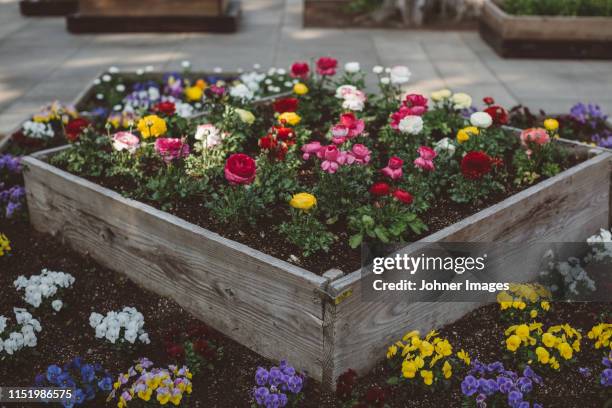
x=545 y=36
x=526 y=189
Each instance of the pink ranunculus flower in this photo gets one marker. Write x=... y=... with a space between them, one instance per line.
x=425 y=159
x=534 y=135
x=125 y=141
x=332 y=158
x=361 y=153
x=394 y=168
x=339 y=134
x=310 y=149
x=354 y=125
x=326 y=66
x=413 y=100
x=171 y=148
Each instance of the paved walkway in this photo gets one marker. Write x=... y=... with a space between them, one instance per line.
x=40 y=61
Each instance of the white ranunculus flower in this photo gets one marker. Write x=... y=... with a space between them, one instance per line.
x=149 y=68
x=113 y=70
x=445 y=145
x=185 y=64
x=241 y=91
x=281 y=71
x=385 y=80
x=354 y=103
x=399 y=74
x=481 y=120
x=352 y=67
x=106 y=78
x=461 y=101
x=411 y=124
x=441 y=95
x=120 y=88
x=343 y=90
x=378 y=69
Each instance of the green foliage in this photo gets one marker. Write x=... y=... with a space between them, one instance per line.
x=559 y=7
x=543 y=161
x=307 y=233
x=386 y=223
x=466 y=191
x=87 y=157
x=339 y=192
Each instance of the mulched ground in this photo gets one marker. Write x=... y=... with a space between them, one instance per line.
x=67 y=334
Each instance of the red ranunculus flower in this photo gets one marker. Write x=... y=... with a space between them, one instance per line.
x=167 y=108
x=403 y=196
x=300 y=70
x=375 y=396
x=475 y=165
x=380 y=189
x=285 y=105
x=488 y=100
x=74 y=128
x=267 y=142
x=284 y=133
x=499 y=114
x=345 y=384
x=326 y=66
x=412 y=100
x=240 y=169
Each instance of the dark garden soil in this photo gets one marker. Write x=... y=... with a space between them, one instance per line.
x=67 y=334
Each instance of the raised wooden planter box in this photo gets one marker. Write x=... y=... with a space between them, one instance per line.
x=279 y=310
x=40 y=8
x=115 y=16
x=545 y=36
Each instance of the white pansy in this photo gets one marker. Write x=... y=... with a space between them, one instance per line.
x=57 y=305
x=461 y=101
x=352 y=67
x=128 y=321
x=99 y=96
x=140 y=71
x=184 y=110
x=481 y=120
x=256 y=66
x=36 y=130
x=445 y=145
x=20 y=337
x=399 y=74
x=411 y=124
x=37 y=288
x=378 y=69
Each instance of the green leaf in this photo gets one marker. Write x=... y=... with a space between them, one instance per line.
x=355 y=240
x=393 y=381
x=381 y=233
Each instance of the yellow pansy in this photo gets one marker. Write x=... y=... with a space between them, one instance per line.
x=463 y=135
x=145 y=395
x=176 y=399
x=513 y=342
x=290 y=118
x=444 y=348
x=426 y=349
x=464 y=356
x=565 y=350
x=303 y=201
x=300 y=89
x=163 y=398
x=517 y=304
x=554 y=363
x=409 y=369
x=419 y=362
x=194 y=93
x=5 y=245
x=551 y=124
x=576 y=345
x=152 y=126
x=391 y=351
x=427 y=377
x=545 y=305
x=409 y=335
x=431 y=334
x=549 y=340
x=522 y=331
x=533 y=314
x=543 y=355
x=447 y=370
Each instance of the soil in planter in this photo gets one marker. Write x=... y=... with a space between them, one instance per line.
x=264 y=237
x=67 y=334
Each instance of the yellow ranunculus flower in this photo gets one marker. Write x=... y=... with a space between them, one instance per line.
x=522 y=331
x=290 y=118
x=551 y=124
x=427 y=377
x=513 y=342
x=194 y=93
x=152 y=126
x=463 y=135
x=441 y=95
x=303 y=201
x=447 y=370
x=300 y=89
x=543 y=355
x=565 y=350
x=391 y=351
x=245 y=116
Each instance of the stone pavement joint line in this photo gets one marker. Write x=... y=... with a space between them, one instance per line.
x=40 y=61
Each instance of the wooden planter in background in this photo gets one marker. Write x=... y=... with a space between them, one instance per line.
x=40 y=8
x=319 y=323
x=105 y=16
x=545 y=36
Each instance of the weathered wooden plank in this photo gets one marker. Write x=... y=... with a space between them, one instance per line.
x=264 y=303
x=566 y=208
x=153 y=7
x=38 y=8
